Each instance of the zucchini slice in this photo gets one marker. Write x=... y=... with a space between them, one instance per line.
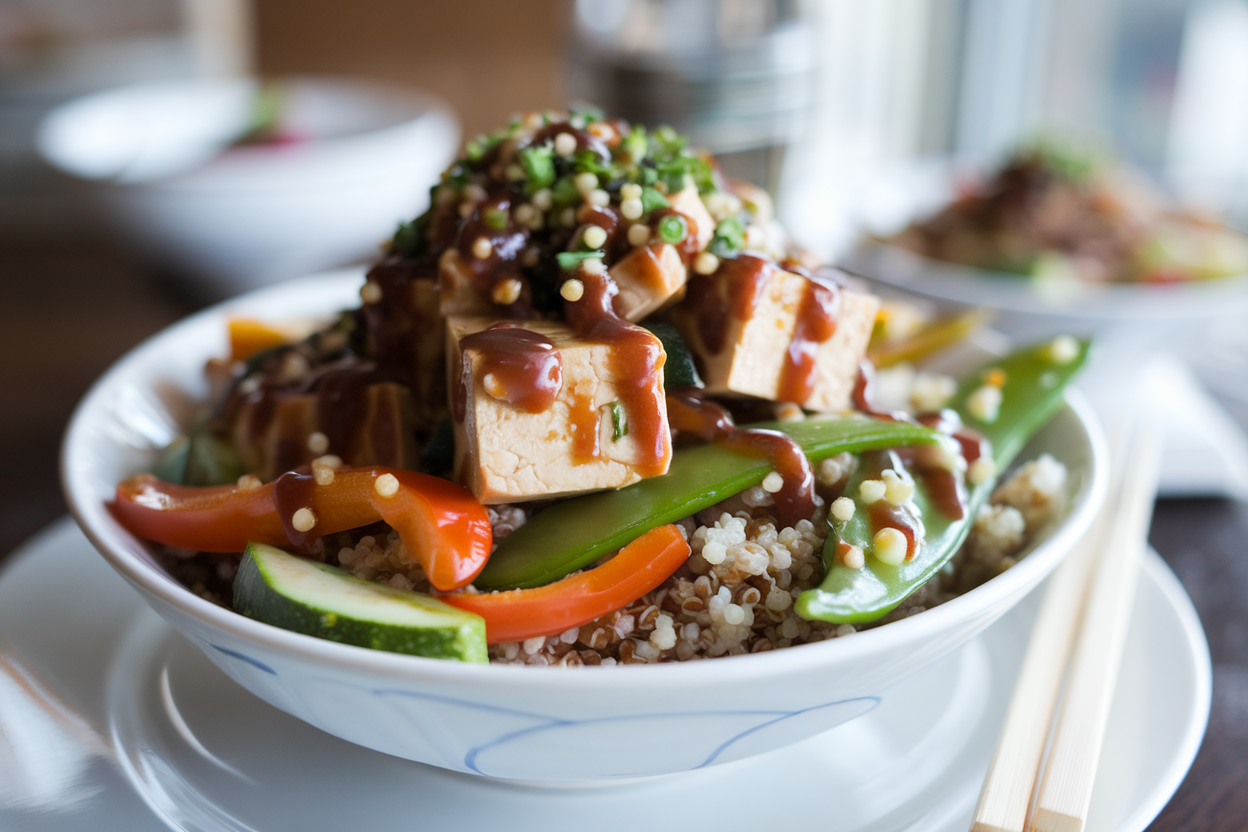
x=323 y=601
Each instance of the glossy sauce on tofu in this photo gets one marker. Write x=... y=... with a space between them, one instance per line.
x=522 y=368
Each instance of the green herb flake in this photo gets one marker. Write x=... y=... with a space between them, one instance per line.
x=571 y=260
x=619 y=421
x=729 y=238
x=495 y=218
x=652 y=200
x=673 y=229
x=539 y=166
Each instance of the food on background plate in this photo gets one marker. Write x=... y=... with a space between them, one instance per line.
x=1055 y=213
x=527 y=434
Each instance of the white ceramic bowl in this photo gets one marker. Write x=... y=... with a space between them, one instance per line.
x=155 y=158
x=547 y=724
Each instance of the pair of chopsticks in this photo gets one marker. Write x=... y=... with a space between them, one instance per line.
x=1085 y=612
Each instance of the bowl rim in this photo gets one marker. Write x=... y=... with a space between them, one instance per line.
x=1029 y=570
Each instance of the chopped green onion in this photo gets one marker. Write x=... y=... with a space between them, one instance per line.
x=495 y=218
x=564 y=192
x=729 y=238
x=619 y=421
x=539 y=166
x=652 y=200
x=673 y=229
x=635 y=145
x=570 y=260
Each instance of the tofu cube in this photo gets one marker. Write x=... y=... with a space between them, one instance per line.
x=755 y=348
x=648 y=276
x=505 y=454
x=689 y=202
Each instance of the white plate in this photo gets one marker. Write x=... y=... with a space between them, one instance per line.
x=108 y=719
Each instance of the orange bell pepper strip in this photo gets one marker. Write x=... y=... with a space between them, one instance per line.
x=517 y=614
x=249 y=336
x=440 y=523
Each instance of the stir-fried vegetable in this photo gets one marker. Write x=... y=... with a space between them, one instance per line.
x=518 y=614
x=1028 y=385
x=574 y=533
x=441 y=525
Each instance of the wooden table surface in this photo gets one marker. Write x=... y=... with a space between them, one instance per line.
x=67 y=310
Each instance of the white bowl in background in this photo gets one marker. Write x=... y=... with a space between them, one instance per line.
x=534 y=724
x=158 y=159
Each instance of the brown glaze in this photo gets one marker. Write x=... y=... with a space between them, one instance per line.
x=688 y=412
x=636 y=362
x=815 y=324
x=524 y=364
x=796 y=498
x=904 y=518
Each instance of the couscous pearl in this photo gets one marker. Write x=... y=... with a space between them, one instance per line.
x=773 y=482
x=318 y=443
x=706 y=263
x=638 y=234
x=525 y=213
x=897 y=491
x=568 y=217
x=493 y=386
x=506 y=292
x=303 y=520
x=572 y=290
x=981 y=470
x=531 y=256
x=890 y=546
x=387 y=485
x=515 y=173
x=542 y=200
x=631 y=208
x=370 y=292
x=871 y=491
x=630 y=190
x=594 y=237
x=1063 y=349
x=565 y=144
x=585 y=182
x=249 y=482
x=482 y=248
x=985 y=403
x=465 y=210
x=842 y=509
x=474 y=193
x=329 y=461
x=598 y=197
x=323 y=474
x=853 y=557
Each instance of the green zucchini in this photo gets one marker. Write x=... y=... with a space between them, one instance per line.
x=323 y=601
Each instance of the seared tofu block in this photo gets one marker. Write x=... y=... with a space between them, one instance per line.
x=742 y=323
x=602 y=426
x=688 y=202
x=459 y=294
x=278 y=431
x=648 y=276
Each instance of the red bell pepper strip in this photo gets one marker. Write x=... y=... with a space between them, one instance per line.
x=440 y=523
x=518 y=614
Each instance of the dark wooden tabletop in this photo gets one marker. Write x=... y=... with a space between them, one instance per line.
x=68 y=309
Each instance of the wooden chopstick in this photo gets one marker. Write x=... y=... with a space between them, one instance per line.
x=1010 y=783
x=1066 y=789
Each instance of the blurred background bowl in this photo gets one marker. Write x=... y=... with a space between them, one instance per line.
x=181 y=175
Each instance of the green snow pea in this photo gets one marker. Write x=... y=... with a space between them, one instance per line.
x=572 y=534
x=1034 y=380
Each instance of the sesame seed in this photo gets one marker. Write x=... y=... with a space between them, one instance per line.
x=595 y=236
x=370 y=292
x=525 y=213
x=542 y=200
x=585 y=182
x=630 y=190
x=318 y=443
x=506 y=292
x=981 y=471
x=773 y=482
x=842 y=509
x=598 y=197
x=1063 y=349
x=638 y=234
x=303 y=520
x=890 y=546
x=565 y=144
x=706 y=263
x=985 y=403
x=897 y=491
x=631 y=208
x=592 y=265
x=871 y=491
x=493 y=386
x=387 y=485
x=572 y=290
x=249 y=482
x=482 y=248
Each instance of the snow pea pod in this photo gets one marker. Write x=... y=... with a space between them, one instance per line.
x=1031 y=382
x=572 y=534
